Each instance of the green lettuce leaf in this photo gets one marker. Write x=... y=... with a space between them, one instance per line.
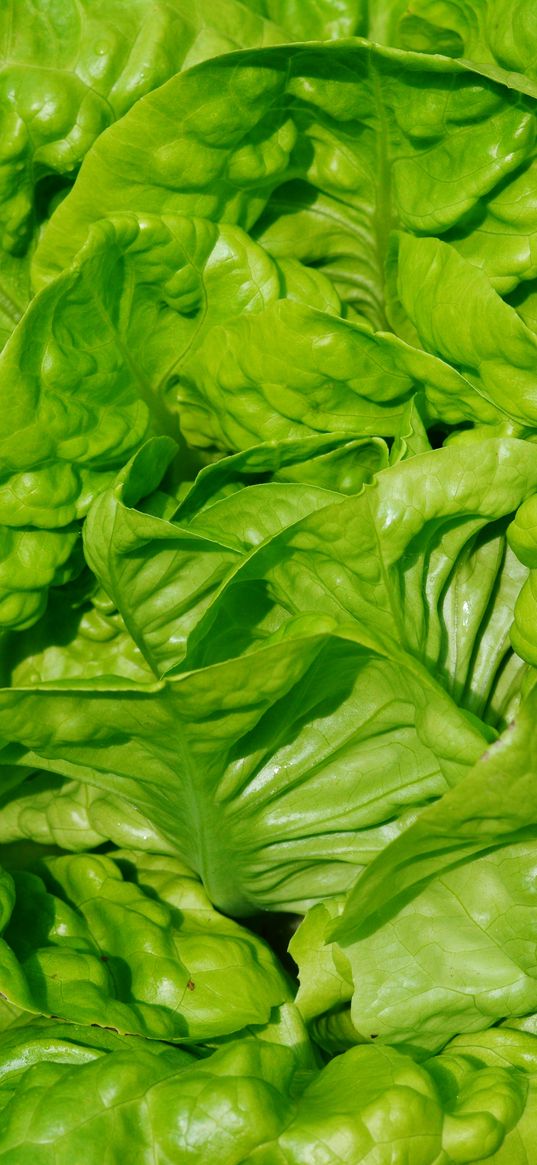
x=502 y=1074
x=146 y=293
x=54 y=811
x=373 y=707
x=488 y=343
x=99 y=61
x=446 y=939
x=131 y=942
x=76 y=1094
x=196 y=341
x=493 y=807
x=246 y=1104
x=417 y=561
x=80 y=634
x=322 y=20
x=492 y=31
x=225 y=516
x=350 y=121
x=70 y=70
x=372 y=1103
x=286 y=721
x=458 y=957
x=522 y=539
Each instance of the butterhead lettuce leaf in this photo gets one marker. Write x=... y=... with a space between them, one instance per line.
x=268 y=481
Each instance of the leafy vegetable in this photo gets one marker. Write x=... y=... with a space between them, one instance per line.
x=268 y=470
x=132 y=944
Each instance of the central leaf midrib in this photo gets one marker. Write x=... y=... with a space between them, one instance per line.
x=383 y=215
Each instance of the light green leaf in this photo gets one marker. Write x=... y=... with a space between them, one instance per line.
x=138 y=556
x=76 y=1094
x=335 y=462
x=319 y=20
x=79 y=635
x=457 y=958
x=31 y=561
x=481 y=30
x=375 y=1104
x=287 y=721
x=325 y=973
x=490 y=1099
x=54 y=811
x=15 y=291
x=350 y=120
x=487 y=342
x=418 y=562
x=247 y=1105
x=70 y=70
x=522 y=538
x=290 y=371
x=134 y=944
x=492 y=807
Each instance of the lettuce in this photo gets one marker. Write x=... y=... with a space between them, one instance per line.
x=268 y=481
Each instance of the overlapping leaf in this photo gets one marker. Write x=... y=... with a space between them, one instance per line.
x=131 y=943
x=402 y=560
x=473 y=1103
x=351 y=121
x=287 y=721
x=433 y=926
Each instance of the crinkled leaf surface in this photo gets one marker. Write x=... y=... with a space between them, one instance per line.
x=522 y=536
x=487 y=342
x=54 y=811
x=493 y=807
x=69 y=70
x=447 y=936
x=383 y=132
x=458 y=957
x=418 y=561
x=77 y=1096
x=234 y=506
x=404 y=579
x=190 y=336
x=285 y=721
x=132 y=943
x=139 y=299
x=78 y=635
x=482 y=30
x=461 y=1106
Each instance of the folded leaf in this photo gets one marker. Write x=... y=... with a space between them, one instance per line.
x=78 y=635
x=349 y=120
x=67 y=1091
x=223 y=760
x=483 y=30
x=418 y=561
x=457 y=958
x=326 y=19
x=81 y=67
x=54 y=811
x=221 y=521
x=67 y=72
x=494 y=806
x=487 y=342
x=522 y=539
x=71 y=1094
x=134 y=944
x=465 y=1105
